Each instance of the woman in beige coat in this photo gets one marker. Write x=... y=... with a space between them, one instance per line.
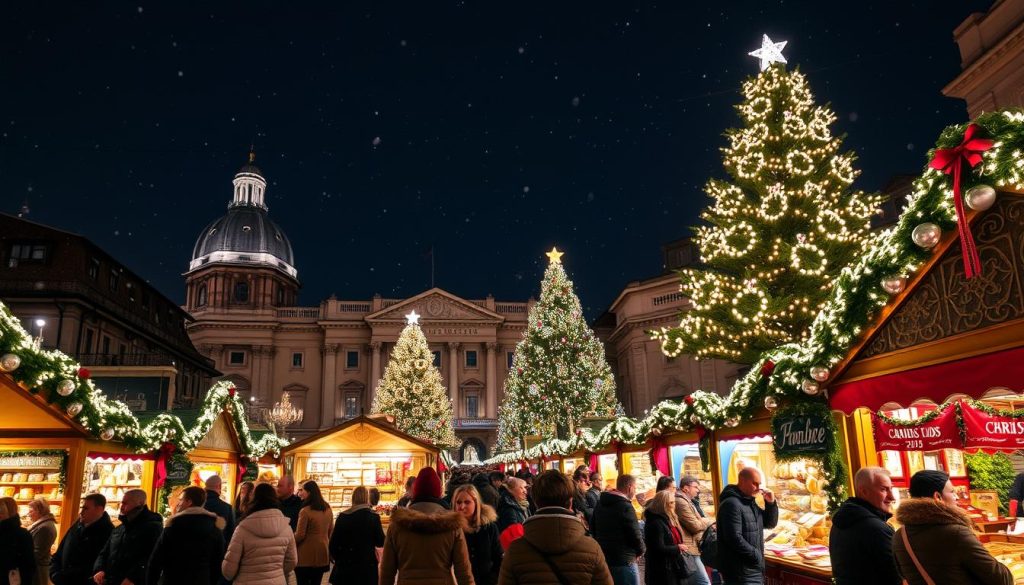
x=44 y=531
x=312 y=535
x=262 y=549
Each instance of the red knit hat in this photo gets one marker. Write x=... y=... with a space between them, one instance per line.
x=427 y=484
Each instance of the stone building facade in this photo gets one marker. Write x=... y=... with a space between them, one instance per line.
x=992 y=59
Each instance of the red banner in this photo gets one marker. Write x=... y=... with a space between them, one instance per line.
x=939 y=433
x=991 y=431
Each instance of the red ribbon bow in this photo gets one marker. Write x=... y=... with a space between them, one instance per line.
x=160 y=472
x=951 y=161
x=243 y=464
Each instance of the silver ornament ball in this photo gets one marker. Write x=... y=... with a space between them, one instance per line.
x=926 y=235
x=810 y=387
x=107 y=434
x=771 y=402
x=9 y=362
x=980 y=198
x=74 y=408
x=894 y=285
x=65 y=387
x=819 y=373
x=732 y=422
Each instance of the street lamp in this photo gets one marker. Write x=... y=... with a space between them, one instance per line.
x=40 y=323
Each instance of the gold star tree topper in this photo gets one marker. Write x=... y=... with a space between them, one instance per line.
x=554 y=256
x=412 y=318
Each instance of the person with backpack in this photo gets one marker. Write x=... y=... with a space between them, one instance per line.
x=694 y=524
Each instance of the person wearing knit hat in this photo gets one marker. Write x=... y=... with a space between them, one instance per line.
x=937 y=539
x=427 y=486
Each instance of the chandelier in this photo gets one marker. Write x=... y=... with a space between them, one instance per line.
x=282 y=415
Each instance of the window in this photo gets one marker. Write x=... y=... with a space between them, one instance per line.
x=20 y=253
x=105 y=345
x=145 y=300
x=93 y=269
x=470 y=358
x=241 y=292
x=352 y=360
x=131 y=291
x=122 y=349
x=297 y=359
x=236 y=358
x=280 y=295
x=509 y=358
x=437 y=359
x=88 y=340
x=115 y=279
x=351 y=405
x=200 y=296
x=471 y=406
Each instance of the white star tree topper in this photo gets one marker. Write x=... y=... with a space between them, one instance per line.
x=770 y=52
x=412 y=318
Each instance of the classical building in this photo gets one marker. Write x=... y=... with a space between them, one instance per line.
x=992 y=59
x=242 y=287
x=644 y=376
x=85 y=303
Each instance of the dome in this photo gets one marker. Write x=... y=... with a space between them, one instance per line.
x=245 y=235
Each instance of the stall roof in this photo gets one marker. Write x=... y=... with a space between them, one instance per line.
x=28 y=414
x=351 y=425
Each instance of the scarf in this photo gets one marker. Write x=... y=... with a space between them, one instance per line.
x=48 y=518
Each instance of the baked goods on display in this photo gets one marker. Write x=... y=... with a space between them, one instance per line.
x=802 y=533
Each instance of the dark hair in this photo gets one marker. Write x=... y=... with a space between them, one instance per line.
x=315 y=499
x=264 y=497
x=97 y=500
x=582 y=472
x=194 y=494
x=687 y=480
x=553 y=488
x=374 y=496
x=497 y=476
x=623 y=482
x=664 y=482
x=409 y=481
x=525 y=475
x=595 y=476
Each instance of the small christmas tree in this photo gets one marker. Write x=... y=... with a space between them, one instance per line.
x=411 y=389
x=559 y=373
x=780 y=232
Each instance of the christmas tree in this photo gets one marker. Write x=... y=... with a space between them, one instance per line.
x=779 y=233
x=559 y=374
x=412 y=392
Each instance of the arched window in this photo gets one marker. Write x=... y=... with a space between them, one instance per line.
x=201 y=296
x=280 y=296
x=241 y=292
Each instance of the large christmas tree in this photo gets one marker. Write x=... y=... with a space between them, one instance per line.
x=412 y=392
x=779 y=233
x=559 y=373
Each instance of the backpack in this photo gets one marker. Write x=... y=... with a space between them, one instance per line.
x=709 y=547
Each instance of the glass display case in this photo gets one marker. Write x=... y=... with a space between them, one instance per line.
x=26 y=477
x=338 y=474
x=112 y=476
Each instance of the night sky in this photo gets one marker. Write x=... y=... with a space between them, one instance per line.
x=489 y=131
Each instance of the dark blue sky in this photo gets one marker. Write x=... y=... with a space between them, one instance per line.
x=488 y=130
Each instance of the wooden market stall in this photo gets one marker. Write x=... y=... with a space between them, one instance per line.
x=111 y=468
x=361 y=451
x=41 y=453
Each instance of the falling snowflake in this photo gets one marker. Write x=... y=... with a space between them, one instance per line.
x=376 y=141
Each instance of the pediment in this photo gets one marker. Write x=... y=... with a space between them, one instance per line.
x=436 y=306
x=222 y=435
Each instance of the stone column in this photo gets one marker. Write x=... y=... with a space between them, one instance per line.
x=374 y=369
x=329 y=387
x=453 y=376
x=491 y=393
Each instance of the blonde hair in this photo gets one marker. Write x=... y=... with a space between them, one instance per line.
x=514 y=482
x=360 y=495
x=470 y=489
x=41 y=505
x=10 y=507
x=664 y=503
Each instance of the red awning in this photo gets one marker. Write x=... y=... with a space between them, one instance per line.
x=971 y=376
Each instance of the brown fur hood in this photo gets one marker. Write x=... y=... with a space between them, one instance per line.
x=219 y=522
x=487 y=516
x=921 y=511
x=427 y=522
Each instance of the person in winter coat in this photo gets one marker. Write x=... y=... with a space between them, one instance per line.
x=127 y=552
x=741 y=524
x=16 y=548
x=694 y=525
x=556 y=534
x=663 y=538
x=406 y=499
x=942 y=538
x=860 y=542
x=581 y=481
x=485 y=552
x=44 y=532
x=191 y=547
x=425 y=542
x=312 y=535
x=290 y=503
x=353 y=545
x=617 y=531
x=513 y=507
x=242 y=501
x=594 y=493
x=76 y=555
x=488 y=493
x=218 y=506
x=262 y=550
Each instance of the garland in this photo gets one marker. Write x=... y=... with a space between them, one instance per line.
x=63 y=454
x=926 y=417
x=830 y=461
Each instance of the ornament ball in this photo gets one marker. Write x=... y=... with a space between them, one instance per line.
x=893 y=285
x=980 y=198
x=771 y=402
x=74 y=408
x=65 y=387
x=810 y=387
x=107 y=434
x=9 y=362
x=926 y=235
x=819 y=373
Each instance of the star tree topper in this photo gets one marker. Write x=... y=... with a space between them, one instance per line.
x=555 y=256
x=770 y=52
x=412 y=318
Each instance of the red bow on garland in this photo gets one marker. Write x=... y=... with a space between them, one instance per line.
x=243 y=464
x=162 y=455
x=951 y=161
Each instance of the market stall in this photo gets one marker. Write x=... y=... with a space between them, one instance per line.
x=111 y=469
x=40 y=453
x=361 y=451
x=684 y=459
x=218 y=453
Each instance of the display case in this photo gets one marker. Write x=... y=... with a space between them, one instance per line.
x=338 y=474
x=609 y=468
x=202 y=470
x=26 y=476
x=113 y=475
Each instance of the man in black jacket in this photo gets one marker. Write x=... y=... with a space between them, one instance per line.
x=291 y=504
x=126 y=554
x=218 y=506
x=741 y=524
x=191 y=548
x=76 y=555
x=860 y=542
x=617 y=531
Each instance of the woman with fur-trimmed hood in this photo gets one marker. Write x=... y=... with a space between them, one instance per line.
x=941 y=537
x=425 y=544
x=485 y=552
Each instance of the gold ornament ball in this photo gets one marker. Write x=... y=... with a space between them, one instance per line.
x=894 y=285
x=107 y=434
x=771 y=402
x=74 y=408
x=819 y=373
x=980 y=198
x=9 y=362
x=65 y=387
x=810 y=387
x=926 y=235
